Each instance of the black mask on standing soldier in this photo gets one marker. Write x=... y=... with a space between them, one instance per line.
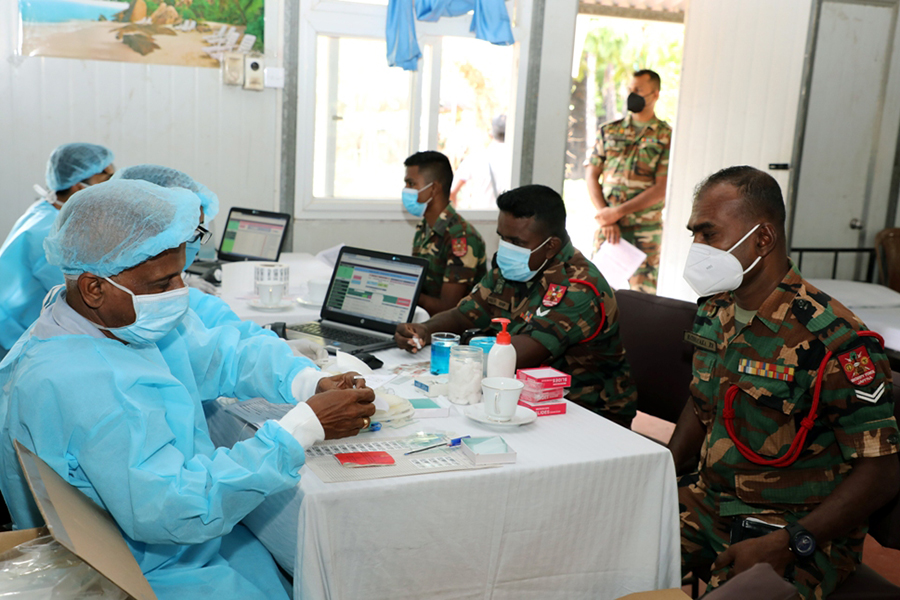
x=636 y=102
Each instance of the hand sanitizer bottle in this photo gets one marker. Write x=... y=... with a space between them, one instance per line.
x=501 y=360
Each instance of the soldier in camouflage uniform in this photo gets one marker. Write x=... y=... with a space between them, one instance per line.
x=631 y=159
x=453 y=248
x=759 y=353
x=562 y=312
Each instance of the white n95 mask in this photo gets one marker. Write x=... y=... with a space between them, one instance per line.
x=711 y=271
x=156 y=315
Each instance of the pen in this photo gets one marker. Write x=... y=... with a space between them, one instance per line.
x=451 y=443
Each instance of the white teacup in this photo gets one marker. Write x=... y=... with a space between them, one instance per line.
x=501 y=396
x=270 y=294
x=317 y=288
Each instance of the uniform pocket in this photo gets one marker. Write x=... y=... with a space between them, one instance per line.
x=800 y=486
x=764 y=414
x=649 y=152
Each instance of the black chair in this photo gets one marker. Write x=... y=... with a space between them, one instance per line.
x=652 y=330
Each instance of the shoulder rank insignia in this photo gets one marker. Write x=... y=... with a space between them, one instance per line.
x=872 y=397
x=460 y=246
x=527 y=316
x=858 y=366
x=756 y=367
x=554 y=294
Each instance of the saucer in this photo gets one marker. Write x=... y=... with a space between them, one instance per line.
x=310 y=303
x=523 y=416
x=281 y=306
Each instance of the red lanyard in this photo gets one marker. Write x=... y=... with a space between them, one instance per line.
x=793 y=453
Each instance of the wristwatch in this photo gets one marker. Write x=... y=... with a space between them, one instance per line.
x=801 y=542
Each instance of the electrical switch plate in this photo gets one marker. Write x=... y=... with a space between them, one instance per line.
x=254 y=73
x=233 y=69
x=274 y=77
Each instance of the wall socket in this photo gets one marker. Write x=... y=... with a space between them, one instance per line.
x=254 y=73
x=233 y=69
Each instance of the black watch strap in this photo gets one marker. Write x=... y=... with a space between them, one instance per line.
x=800 y=541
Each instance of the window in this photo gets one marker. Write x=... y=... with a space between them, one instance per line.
x=358 y=119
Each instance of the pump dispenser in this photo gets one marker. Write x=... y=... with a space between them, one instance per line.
x=501 y=360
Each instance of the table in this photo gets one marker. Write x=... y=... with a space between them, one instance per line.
x=237 y=289
x=876 y=305
x=589 y=510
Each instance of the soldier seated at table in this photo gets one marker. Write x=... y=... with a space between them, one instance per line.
x=790 y=409
x=562 y=312
x=453 y=248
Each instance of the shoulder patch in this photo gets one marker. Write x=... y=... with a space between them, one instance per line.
x=554 y=294
x=460 y=246
x=858 y=366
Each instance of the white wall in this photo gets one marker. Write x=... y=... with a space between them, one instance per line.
x=740 y=89
x=183 y=117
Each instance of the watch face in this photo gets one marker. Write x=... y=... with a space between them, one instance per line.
x=804 y=544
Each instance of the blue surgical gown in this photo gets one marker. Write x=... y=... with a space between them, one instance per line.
x=490 y=22
x=215 y=312
x=26 y=275
x=125 y=425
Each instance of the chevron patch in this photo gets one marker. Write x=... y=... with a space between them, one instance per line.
x=872 y=397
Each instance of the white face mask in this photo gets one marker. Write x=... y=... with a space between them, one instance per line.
x=711 y=271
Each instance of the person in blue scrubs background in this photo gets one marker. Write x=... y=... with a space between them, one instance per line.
x=27 y=277
x=107 y=388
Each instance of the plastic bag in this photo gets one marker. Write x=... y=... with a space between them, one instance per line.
x=44 y=569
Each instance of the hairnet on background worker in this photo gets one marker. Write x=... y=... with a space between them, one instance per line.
x=124 y=422
x=213 y=311
x=27 y=277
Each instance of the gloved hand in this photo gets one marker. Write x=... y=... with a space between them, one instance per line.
x=195 y=281
x=308 y=349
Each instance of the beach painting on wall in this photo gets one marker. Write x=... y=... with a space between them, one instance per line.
x=196 y=33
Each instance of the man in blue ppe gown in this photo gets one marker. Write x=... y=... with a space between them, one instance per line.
x=212 y=311
x=106 y=387
x=26 y=275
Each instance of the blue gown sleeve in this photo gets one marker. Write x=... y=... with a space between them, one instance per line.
x=140 y=463
x=214 y=312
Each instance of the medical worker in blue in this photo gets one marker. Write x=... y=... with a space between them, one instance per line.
x=106 y=386
x=26 y=276
x=211 y=310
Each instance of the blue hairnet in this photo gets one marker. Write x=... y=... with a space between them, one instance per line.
x=72 y=163
x=116 y=225
x=167 y=177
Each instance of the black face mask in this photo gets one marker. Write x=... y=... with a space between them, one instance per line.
x=636 y=102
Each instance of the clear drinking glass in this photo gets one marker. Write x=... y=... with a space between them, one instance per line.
x=440 y=351
x=466 y=369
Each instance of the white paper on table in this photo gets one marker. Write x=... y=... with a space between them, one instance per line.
x=257 y=411
x=329 y=256
x=618 y=262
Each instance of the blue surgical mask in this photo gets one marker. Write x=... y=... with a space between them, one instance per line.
x=156 y=315
x=191 y=249
x=411 y=202
x=513 y=261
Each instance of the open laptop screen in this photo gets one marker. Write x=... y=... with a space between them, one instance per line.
x=371 y=286
x=253 y=235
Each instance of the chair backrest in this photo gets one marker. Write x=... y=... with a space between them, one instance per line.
x=887 y=251
x=884 y=524
x=652 y=330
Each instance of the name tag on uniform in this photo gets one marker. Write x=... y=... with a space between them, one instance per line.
x=501 y=304
x=756 y=367
x=699 y=341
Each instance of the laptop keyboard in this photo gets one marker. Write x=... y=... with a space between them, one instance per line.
x=338 y=335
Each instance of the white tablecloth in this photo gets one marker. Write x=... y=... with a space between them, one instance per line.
x=589 y=510
x=876 y=305
x=237 y=289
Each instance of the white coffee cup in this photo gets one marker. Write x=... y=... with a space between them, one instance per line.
x=271 y=283
x=501 y=396
x=317 y=288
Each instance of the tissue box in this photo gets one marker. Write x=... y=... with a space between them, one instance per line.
x=433 y=385
x=543 y=378
x=544 y=395
x=471 y=446
x=545 y=409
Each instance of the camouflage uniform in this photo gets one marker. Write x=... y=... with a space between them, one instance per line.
x=454 y=250
x=601 y=377
x=632 y=161
x=774 y=361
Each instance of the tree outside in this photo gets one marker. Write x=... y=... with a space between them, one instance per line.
x=612 y=49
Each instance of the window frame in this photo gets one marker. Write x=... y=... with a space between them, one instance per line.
x=340 y=18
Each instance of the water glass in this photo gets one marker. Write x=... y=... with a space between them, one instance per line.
x=440 y=351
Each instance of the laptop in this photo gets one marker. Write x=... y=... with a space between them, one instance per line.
x=250 y=234
x=370 y=293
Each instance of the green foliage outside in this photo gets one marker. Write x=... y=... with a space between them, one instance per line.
x=247 y=13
